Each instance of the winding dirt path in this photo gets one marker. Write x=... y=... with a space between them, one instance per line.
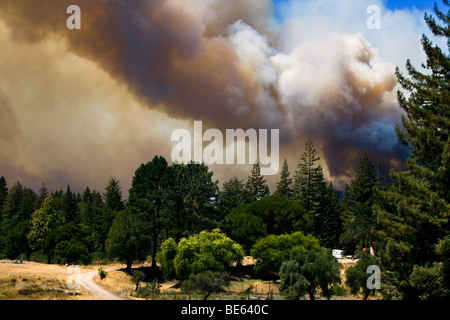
x=86 y=281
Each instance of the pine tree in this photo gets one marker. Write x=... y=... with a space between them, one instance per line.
x=12 y=206
x=309 y=182
x=42 y=195
x=413 y=215
x=3 y=196
x=232 y=194
x=113 y=195
x=70 y=206
x=359 y=220
x=284 y=188
x=310 y=187
x=256 y=187
x=3 y=191
x=330 y=218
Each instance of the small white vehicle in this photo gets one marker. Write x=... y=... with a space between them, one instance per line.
x=338 y=254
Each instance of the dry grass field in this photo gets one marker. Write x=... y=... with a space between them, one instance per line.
x=36 y=281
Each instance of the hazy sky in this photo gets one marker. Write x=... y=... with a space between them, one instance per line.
x=79 y=106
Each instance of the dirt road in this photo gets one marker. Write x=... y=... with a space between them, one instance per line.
x=86 y=281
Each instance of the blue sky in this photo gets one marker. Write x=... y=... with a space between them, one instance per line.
x=397 y=4
x=419 y=4
x=391 y=4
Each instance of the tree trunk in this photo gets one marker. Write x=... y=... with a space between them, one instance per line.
x=311 y=291
x=129 y=263
x=366 y=294
x=155 y=245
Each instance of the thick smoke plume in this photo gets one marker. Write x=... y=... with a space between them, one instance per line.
x=229 y=64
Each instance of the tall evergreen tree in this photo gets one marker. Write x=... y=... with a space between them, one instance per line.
x=413 y=215
x=359 y=219
x=310 y=186
x=284 y=186
x=3 y=191
x=309 y=183
x=256 y=187
x=113 y=195
x=329 y=219
x=3 y=196
x=43 y=193
x=232 y=194
x=69 y=206
x=12 y=207
x=147 y=197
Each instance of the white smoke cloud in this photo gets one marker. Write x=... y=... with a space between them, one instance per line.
x=78 y=116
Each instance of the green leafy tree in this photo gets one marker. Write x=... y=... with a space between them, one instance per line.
x=72 y=251
x=16 y=242
x=359 y=218
x=70 y=243
x=293 y=285
x=212 y=251
x=256 y=187
x=206 y=282
x=191 y=200
x=129 y=237
x=166 y=256
x=270 y=215
x=316 y=269
x=102 y=273
x=413 y=214
x=44 y=221
x=147 y=196
x=284 y=186
x=244 y=226
x=137 y=277
x=356 y=276
x=273 y=250
x=430 y=281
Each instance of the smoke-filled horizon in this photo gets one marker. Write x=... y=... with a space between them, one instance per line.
x=79 y=106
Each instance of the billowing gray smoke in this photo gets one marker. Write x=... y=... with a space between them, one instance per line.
x=228 y=64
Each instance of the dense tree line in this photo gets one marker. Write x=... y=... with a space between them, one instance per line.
x=165 y=201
